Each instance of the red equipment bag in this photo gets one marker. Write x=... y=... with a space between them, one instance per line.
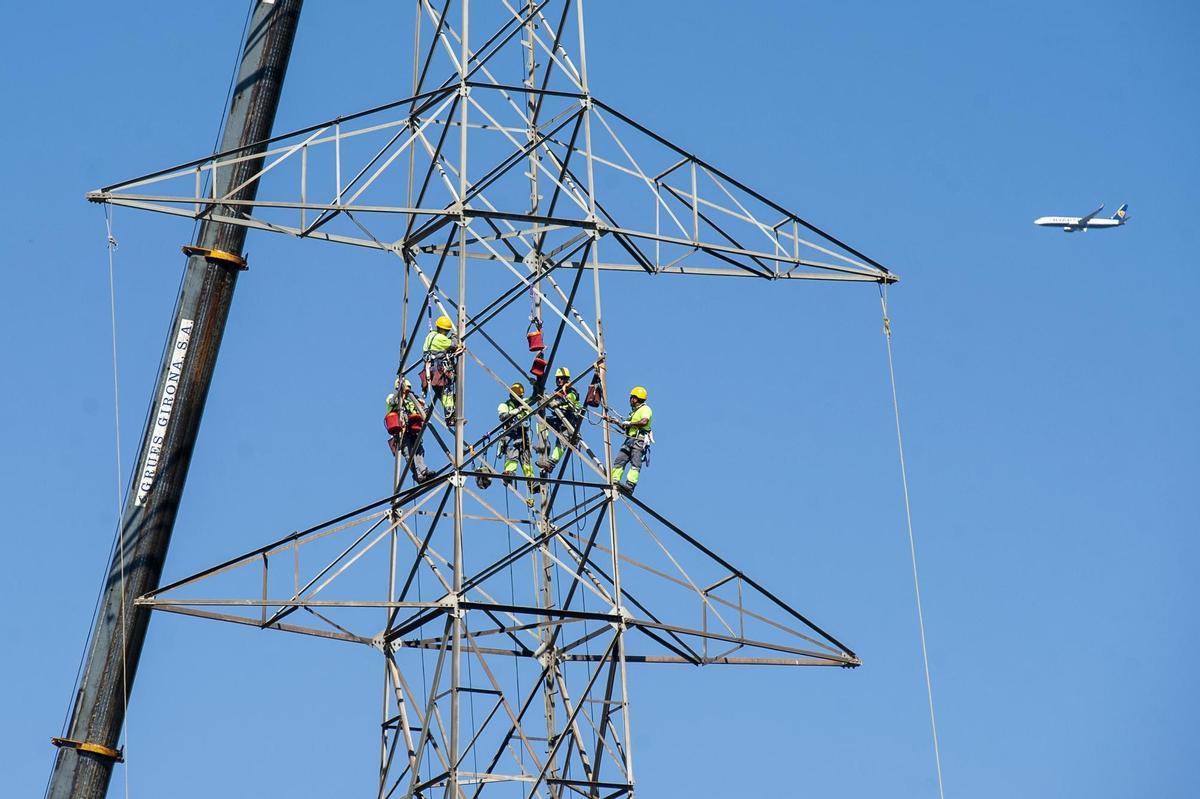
x=392 y=423
x=415 y=422
x=439 y=379
x=536 y=342
x=595 y=393
x=539 y=366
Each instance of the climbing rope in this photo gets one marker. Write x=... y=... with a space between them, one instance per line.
x=112 y=309
x=912 y=547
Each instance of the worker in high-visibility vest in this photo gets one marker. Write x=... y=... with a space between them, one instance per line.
x=407 y=442
x=563 y=414
x=514 y=440
x=638 y=439
x=439 y=351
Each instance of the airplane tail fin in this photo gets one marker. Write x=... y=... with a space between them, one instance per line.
x=1122 y=213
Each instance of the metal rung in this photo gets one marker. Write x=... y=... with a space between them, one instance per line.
x=95 y=749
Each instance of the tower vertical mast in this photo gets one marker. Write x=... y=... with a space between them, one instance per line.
x=84 y=764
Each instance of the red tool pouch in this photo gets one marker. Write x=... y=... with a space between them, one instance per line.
x=595 y=393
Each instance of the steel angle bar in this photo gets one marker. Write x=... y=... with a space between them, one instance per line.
x=693 y=270
x=402 y=497
x=734 y=182
x=516 y=554
x=130 y=200
x=466 y=56
x=233 y=602
x=750 y=643
x=350 y=548
x=742 y=575
x=430 y=709
x=513 y=294
x=549 y=555
x=287 y=628
x=714 y=249
x=424 y=545
x=513 y=717
x=242 y=149
x=625 y=594
x=553 y=52
x=254 y=557
x=691 y=585
x=771 y=233
x=555 y=46
x=693 y=206
x=570 y=720
x=538 y=610
x=637 y=171
x=538 y=144
x=824 y=661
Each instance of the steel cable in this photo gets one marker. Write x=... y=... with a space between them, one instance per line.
x=912 y=547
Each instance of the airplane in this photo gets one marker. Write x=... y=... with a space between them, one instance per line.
x=1072 y=223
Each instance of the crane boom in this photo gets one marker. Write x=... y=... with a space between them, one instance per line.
x=87 y=752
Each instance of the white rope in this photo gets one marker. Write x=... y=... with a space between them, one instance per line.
x=912 y=547
x=112 y=310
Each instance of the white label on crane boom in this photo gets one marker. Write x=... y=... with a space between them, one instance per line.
x=162 y=413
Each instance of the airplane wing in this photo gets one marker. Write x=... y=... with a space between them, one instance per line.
x=1084 y=220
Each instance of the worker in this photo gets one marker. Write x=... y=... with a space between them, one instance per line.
x=514 y=440
x=439 y=351
x=563 y=414
x=407 y=442
x=638 y=439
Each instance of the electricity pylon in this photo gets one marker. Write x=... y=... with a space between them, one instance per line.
x=499 y=185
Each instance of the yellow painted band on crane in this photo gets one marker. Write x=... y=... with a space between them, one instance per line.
x=215 y=255
x=85 y=746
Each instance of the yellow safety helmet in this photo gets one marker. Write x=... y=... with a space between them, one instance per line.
x=639 y=392
x=407 y=385
x=563 y=371
x=444 y=323
x=517 y=389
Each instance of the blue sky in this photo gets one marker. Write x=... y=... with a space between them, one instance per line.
x=1047 y=383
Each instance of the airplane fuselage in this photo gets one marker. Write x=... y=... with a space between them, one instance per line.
x=1073 y=223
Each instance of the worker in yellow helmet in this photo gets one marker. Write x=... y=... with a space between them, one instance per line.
x=638 y=438
x=406 y=443
x=439 y=350
x=514 y=438
x=563 y=414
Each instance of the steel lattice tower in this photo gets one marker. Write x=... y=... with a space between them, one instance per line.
x=506 y=191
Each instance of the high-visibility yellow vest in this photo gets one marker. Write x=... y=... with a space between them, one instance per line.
x=437 y=342
x=568 y=402
x=508 y=408
x=643 y=412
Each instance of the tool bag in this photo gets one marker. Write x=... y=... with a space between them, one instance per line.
x=595 y=393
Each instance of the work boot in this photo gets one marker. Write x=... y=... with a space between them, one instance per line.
x=545 y=464
x=483 y=481
x=626 y=488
